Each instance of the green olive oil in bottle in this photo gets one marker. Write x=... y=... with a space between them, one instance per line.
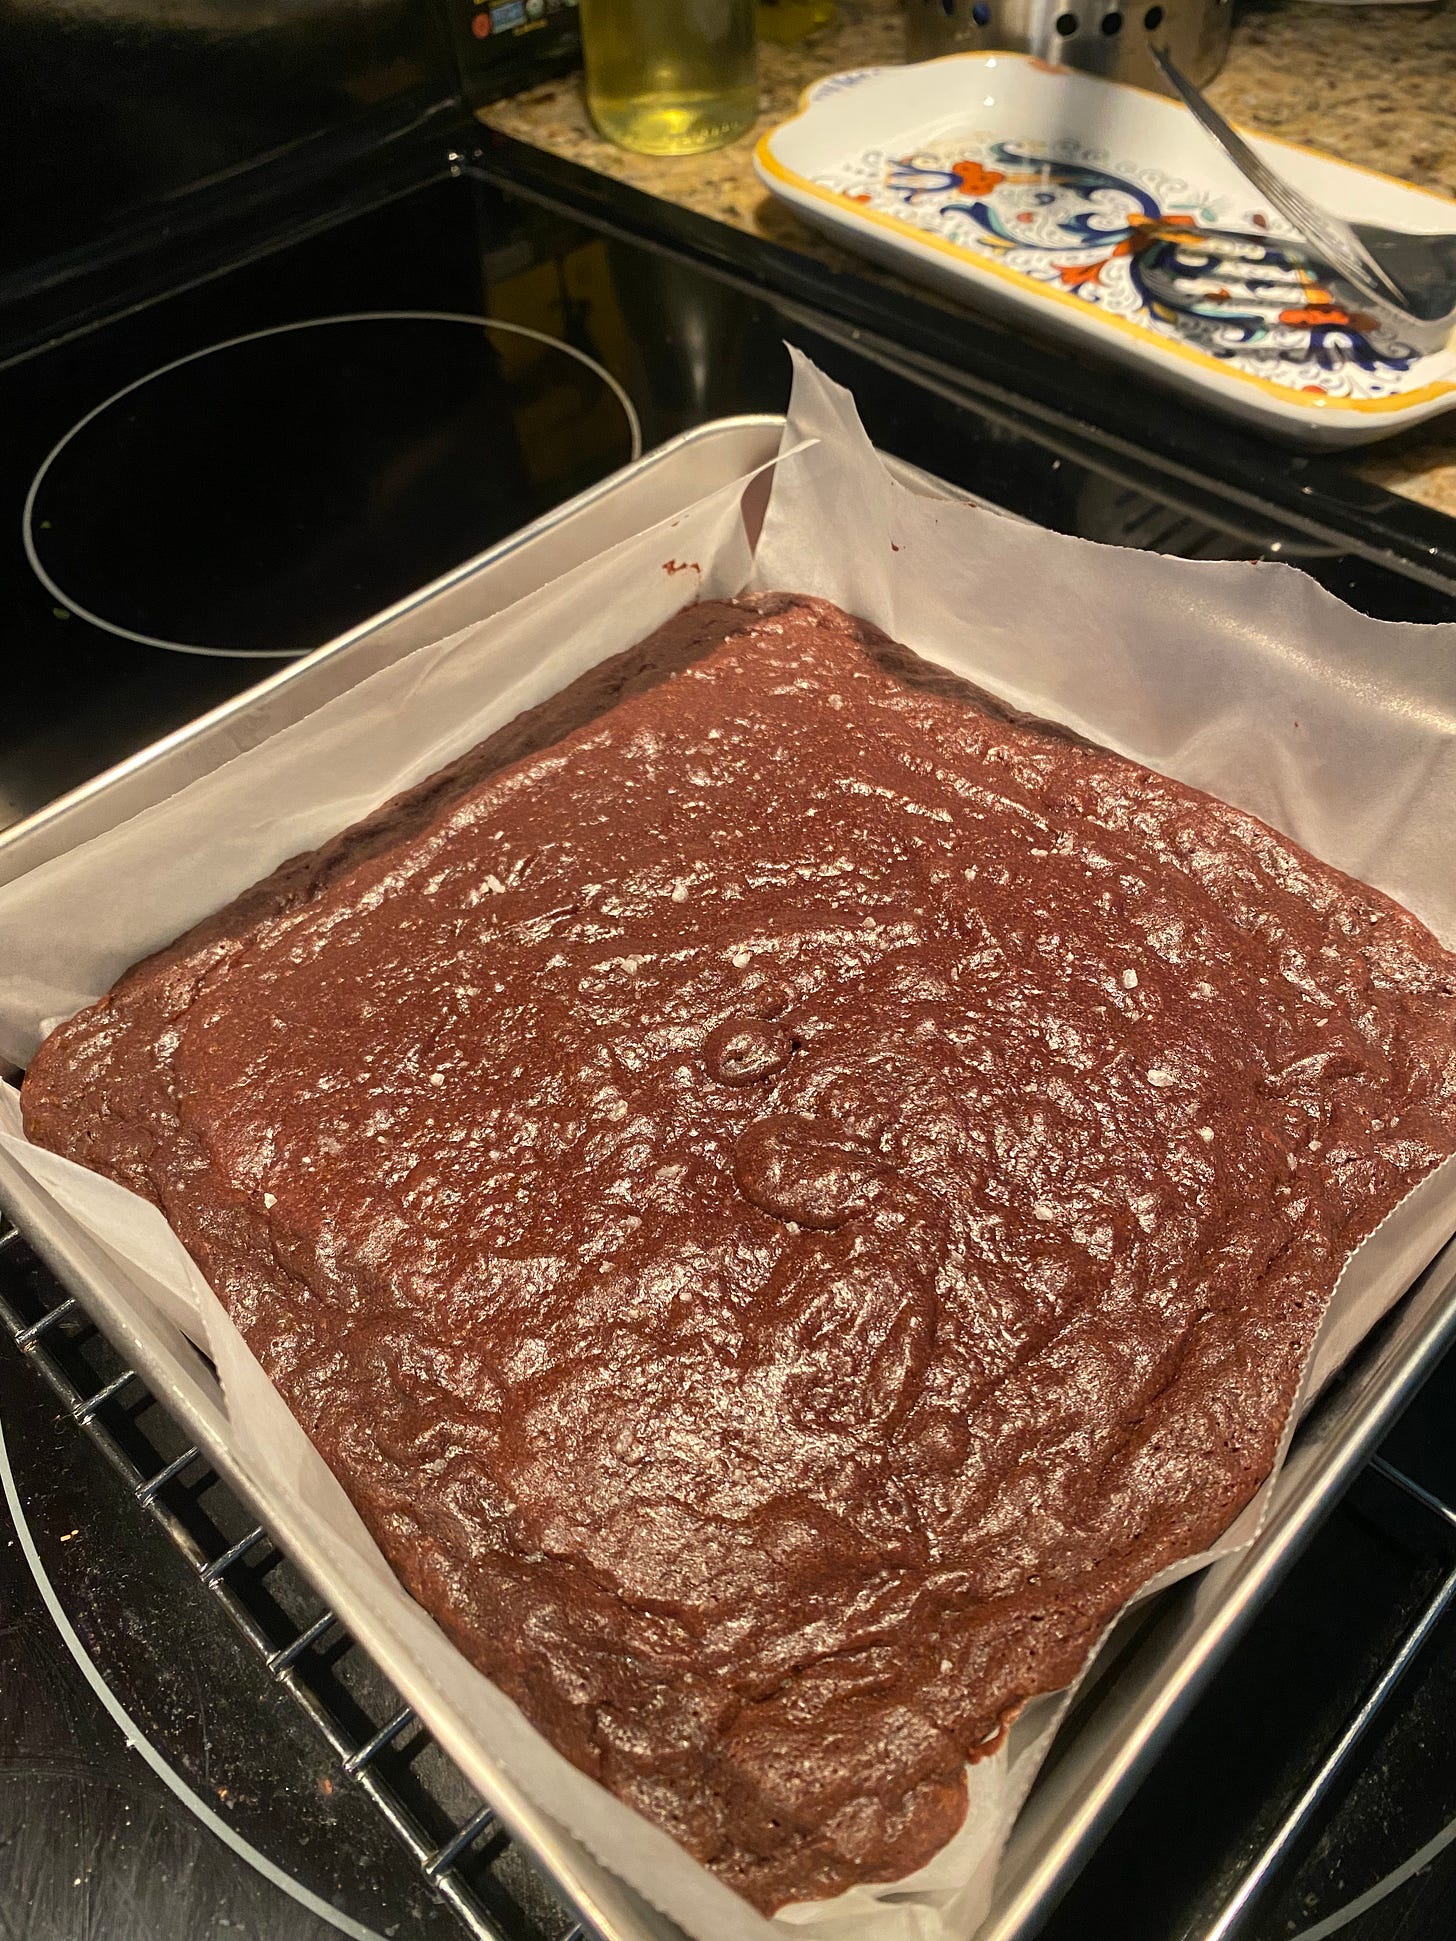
x=670 y=77
x=791 y=21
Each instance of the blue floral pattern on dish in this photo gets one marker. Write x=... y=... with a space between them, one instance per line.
x=1125 y=240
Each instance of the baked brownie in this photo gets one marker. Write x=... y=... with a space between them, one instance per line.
x=782 y=1201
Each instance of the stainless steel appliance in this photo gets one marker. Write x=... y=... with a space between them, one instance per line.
x=1101 y=36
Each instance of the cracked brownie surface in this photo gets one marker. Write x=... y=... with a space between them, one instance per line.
x=783 y=1193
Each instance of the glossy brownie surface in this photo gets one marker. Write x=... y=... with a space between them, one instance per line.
x=783 y=1194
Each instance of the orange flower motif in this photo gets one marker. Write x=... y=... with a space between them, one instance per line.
x=1075 y=275
x=861 y=197
x=975 y=178
x=1148 y=230
x=1316 y=314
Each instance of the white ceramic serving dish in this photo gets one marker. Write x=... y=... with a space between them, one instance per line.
x=1027 y=189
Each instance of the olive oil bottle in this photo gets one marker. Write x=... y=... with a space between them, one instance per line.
x=670 y=77
x=791 y=21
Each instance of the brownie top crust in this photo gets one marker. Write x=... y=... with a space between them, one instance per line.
x=784 y=1193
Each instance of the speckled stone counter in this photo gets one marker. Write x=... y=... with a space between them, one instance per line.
x=1372 y=85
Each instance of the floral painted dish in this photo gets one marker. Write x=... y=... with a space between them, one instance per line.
x=1057 y=197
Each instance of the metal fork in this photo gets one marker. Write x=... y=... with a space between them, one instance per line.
x=1410 y=280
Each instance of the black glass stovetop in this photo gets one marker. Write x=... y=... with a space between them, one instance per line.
x=225 y=475
x=230 y=473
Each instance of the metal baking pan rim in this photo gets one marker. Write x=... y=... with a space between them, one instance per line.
x=45 y=830
x=1101 y=1764
x=169 y=746
x=1143 y=1703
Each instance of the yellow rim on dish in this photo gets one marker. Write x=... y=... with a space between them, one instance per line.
x=1127 y=326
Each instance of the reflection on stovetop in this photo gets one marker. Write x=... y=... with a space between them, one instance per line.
x=263 y=494
x=273 y=494
x=270 y=497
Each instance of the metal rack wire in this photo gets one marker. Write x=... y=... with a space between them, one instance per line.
x=496 y=1892
x=1240 y=1911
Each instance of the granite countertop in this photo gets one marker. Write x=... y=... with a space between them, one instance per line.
x=1366 y=84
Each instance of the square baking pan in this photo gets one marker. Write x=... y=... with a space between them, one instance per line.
x=1162 y=1654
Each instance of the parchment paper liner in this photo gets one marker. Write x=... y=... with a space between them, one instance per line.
x=1247 y=680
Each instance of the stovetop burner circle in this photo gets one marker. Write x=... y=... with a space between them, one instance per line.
x=273 y=497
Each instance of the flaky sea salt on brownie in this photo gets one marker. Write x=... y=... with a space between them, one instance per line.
x=783 y=1194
